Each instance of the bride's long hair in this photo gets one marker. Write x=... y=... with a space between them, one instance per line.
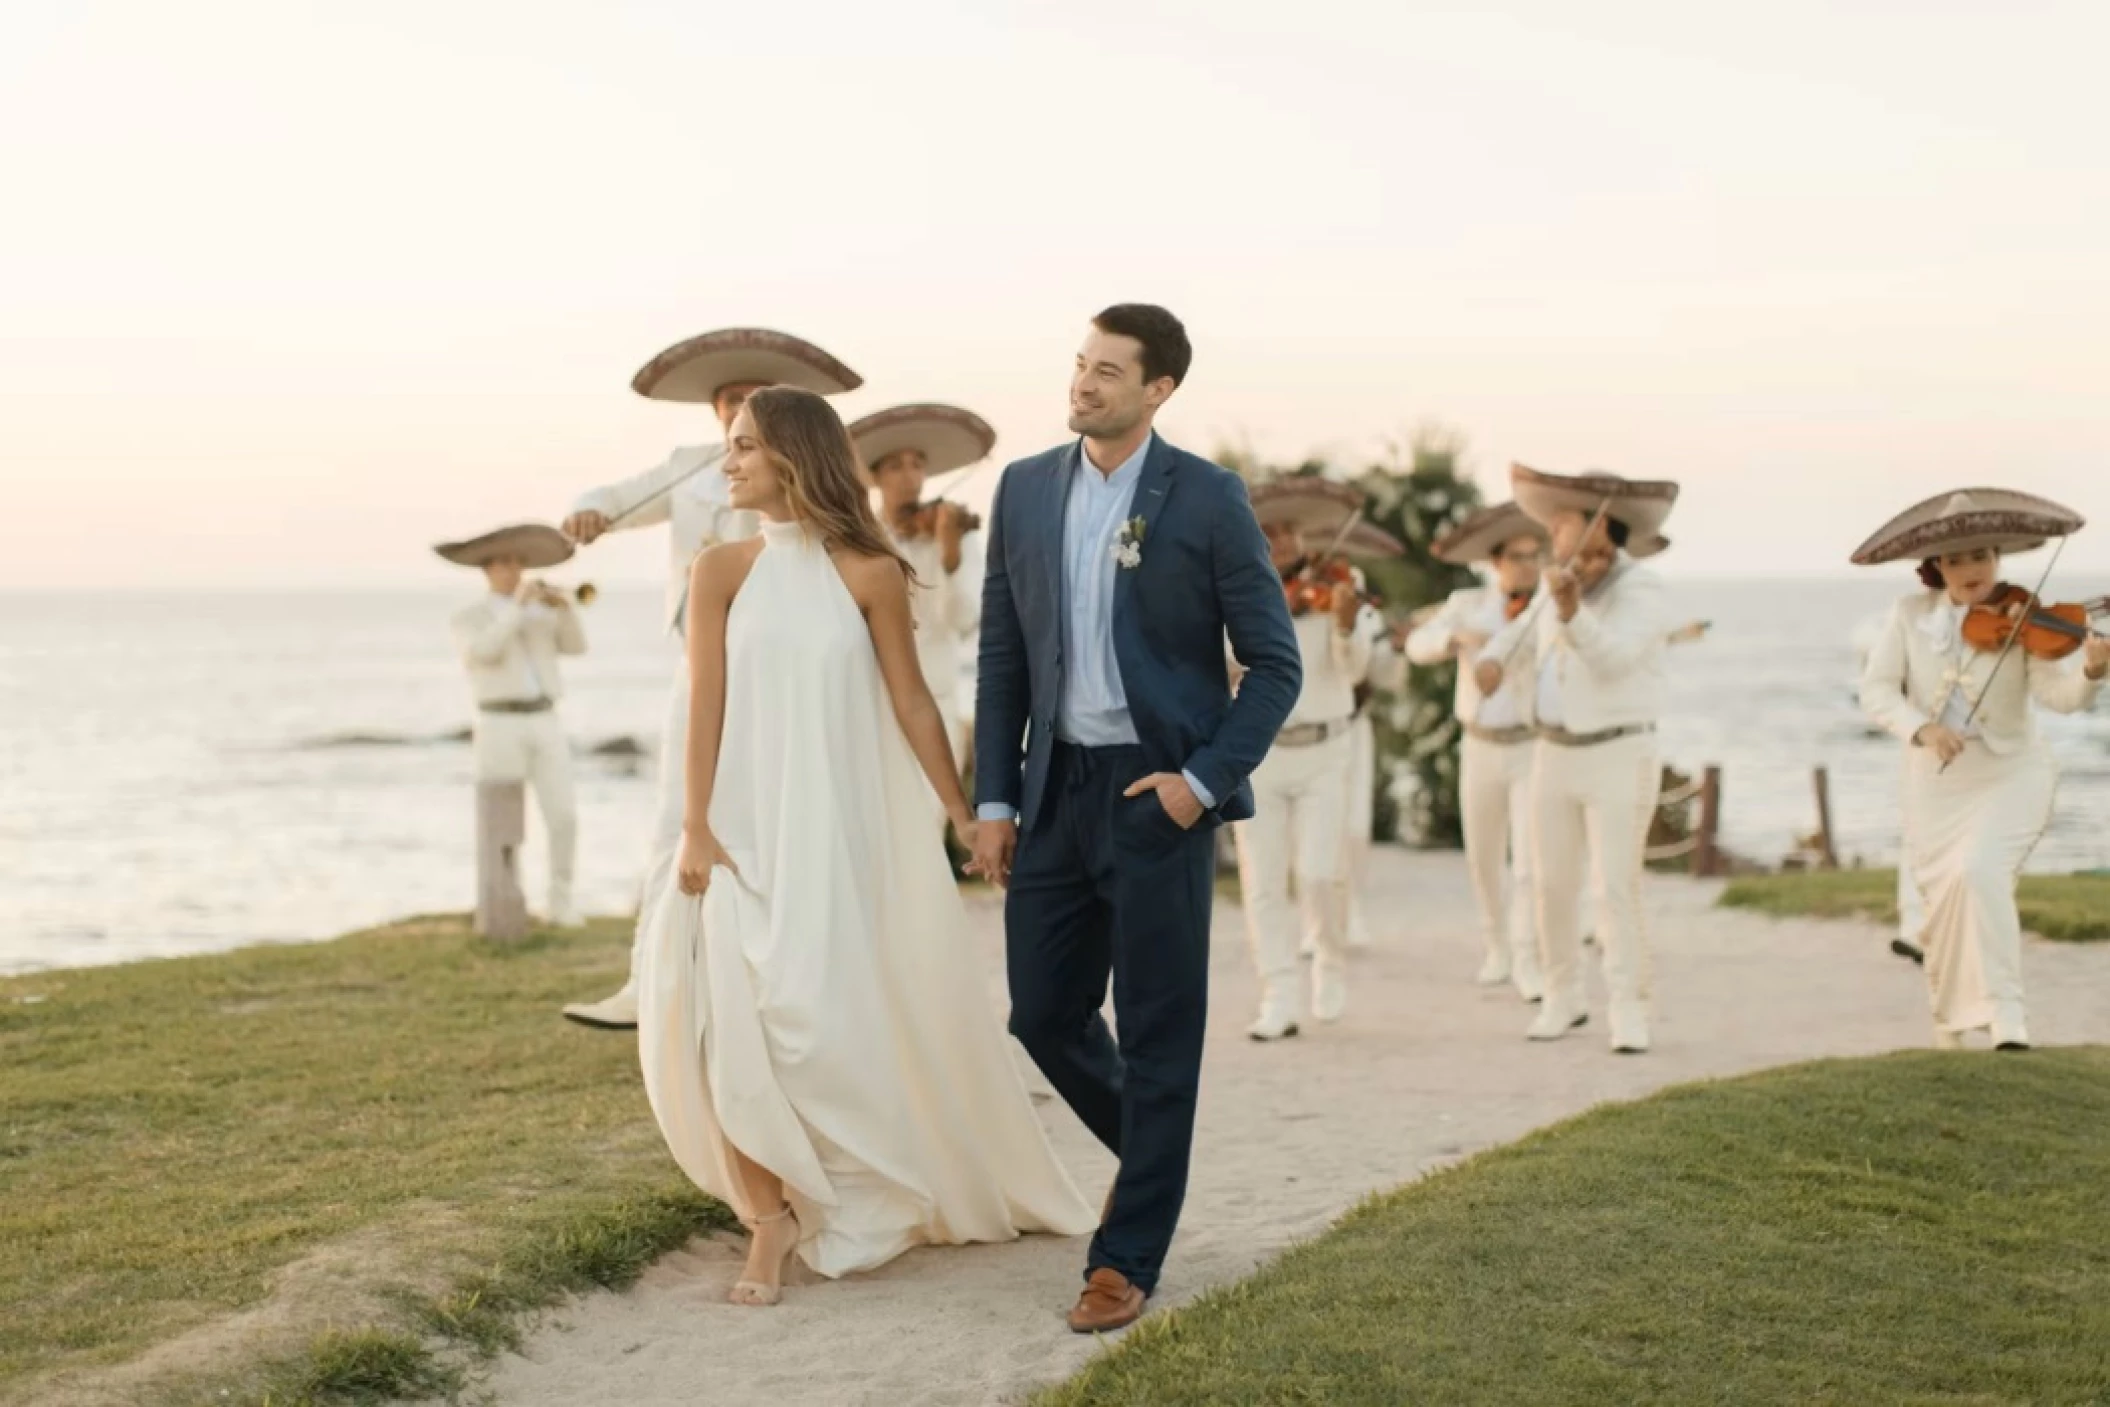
x=817 y=461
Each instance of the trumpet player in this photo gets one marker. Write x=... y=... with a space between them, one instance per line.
x=510 y=640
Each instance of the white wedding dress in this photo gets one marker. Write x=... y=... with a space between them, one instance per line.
x=824 y=1011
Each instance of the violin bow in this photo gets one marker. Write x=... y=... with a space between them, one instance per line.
x=1531 y=612
x=2015 y=633
x=709 y=460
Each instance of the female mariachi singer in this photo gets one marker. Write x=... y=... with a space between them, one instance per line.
x=1979 y=777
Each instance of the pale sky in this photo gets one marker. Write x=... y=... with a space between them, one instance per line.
x=290 y=291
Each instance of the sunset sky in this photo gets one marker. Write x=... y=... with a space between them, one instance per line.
x=290 y=291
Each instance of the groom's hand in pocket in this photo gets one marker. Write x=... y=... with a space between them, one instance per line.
x=1178 y=799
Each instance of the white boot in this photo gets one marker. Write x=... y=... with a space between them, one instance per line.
x=1329 y=990
x=616 y=1013
x=1524 y=971
x=2008 y=1031
x=1494 y=971
x=1629 y=1022
x=1278 y=1014
x=1557 y=1018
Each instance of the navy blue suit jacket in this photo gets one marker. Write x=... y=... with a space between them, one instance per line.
x=1205 y=571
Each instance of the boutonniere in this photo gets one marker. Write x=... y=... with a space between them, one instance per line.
x=1128 y=544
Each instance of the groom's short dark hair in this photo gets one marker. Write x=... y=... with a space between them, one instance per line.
x=1166 y=350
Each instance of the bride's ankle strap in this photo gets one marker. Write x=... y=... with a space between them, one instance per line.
x=772 y=1219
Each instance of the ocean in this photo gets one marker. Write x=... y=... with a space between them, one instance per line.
x=184 y=773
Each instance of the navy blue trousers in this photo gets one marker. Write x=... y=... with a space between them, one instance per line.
x=1104 y=886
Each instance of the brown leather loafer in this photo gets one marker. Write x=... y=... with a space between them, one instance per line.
x=1108 y=1303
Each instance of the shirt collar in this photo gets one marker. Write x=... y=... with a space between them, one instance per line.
x=1130 y=467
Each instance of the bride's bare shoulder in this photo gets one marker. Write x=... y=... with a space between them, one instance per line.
x=870 y=576
x=719 y=570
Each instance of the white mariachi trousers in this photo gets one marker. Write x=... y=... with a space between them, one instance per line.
x=1968 y=830
x=1298 y=797
x=663 y=849
x=532 y=748
x=1494 y=799
x=1590 y=813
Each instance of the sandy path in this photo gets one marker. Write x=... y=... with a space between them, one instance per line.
x=1425 y=1069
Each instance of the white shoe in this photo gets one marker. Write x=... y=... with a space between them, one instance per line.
x=1629 y=1022
x=2008 y=1031
x=1555 y=1019
x=1278 y=1016
x=1329 y=991
x=1494 y=971
x=617 y=1013
x=1524 y=972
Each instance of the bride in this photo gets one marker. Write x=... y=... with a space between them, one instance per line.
x=818 y=1042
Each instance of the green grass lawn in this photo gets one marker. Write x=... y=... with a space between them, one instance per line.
x=393 y=1138
x=2069 y=908
x=1919 y=1228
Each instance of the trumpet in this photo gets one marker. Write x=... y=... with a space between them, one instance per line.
x=584 y=593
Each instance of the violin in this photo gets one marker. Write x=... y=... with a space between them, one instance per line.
x=921 y=519
x=2049 y=632
x=1318 y=586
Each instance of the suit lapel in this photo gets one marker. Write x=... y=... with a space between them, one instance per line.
x=1153 y=489
x=1055 y=509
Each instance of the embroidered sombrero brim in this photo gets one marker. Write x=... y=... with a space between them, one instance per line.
x=537 y=545
x=695 y=370
x=1966 y=520
x=1642 y=504
x=950 y=438
x=1315 y=509
x=1482 y=534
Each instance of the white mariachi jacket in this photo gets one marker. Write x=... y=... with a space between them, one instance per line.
x=698 y=508
x=1608 y=661
x=1918 y=665
x=1478 y=610
x=511 y=650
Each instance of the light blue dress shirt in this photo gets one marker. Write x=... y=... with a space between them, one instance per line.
x=1093 y=709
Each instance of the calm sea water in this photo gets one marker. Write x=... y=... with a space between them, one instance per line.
x=184 y=773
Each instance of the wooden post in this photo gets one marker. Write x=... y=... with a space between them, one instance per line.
x=501 y=829
x=1828 y=857
x=1706 y=860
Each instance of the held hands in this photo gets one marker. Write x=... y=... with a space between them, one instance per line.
x=583 y=528
x=993 y=844
x=1566 y=590
x=1947 y=743
x=1178 y=799
x=700 y=854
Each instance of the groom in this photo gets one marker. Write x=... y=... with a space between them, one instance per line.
x=1107 y=749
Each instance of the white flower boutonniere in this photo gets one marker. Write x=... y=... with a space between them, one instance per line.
x=1128 y=545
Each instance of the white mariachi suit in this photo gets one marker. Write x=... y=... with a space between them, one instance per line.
x=700 y=515
x=1494 y=786
x=1970 y=826
x=1598 y=687
x=511 y=654
x=1300 y=802
x=947 y=611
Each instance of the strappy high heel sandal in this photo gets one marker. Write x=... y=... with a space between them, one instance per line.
x=754 y=1292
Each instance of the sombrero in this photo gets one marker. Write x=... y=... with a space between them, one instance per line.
x=1642 y=504
x=1477 y=538
x=695 y=370
x=1308 y=505
x=535 y=544
x=1367 y=539
x=949 y=437
x=1965 y=520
